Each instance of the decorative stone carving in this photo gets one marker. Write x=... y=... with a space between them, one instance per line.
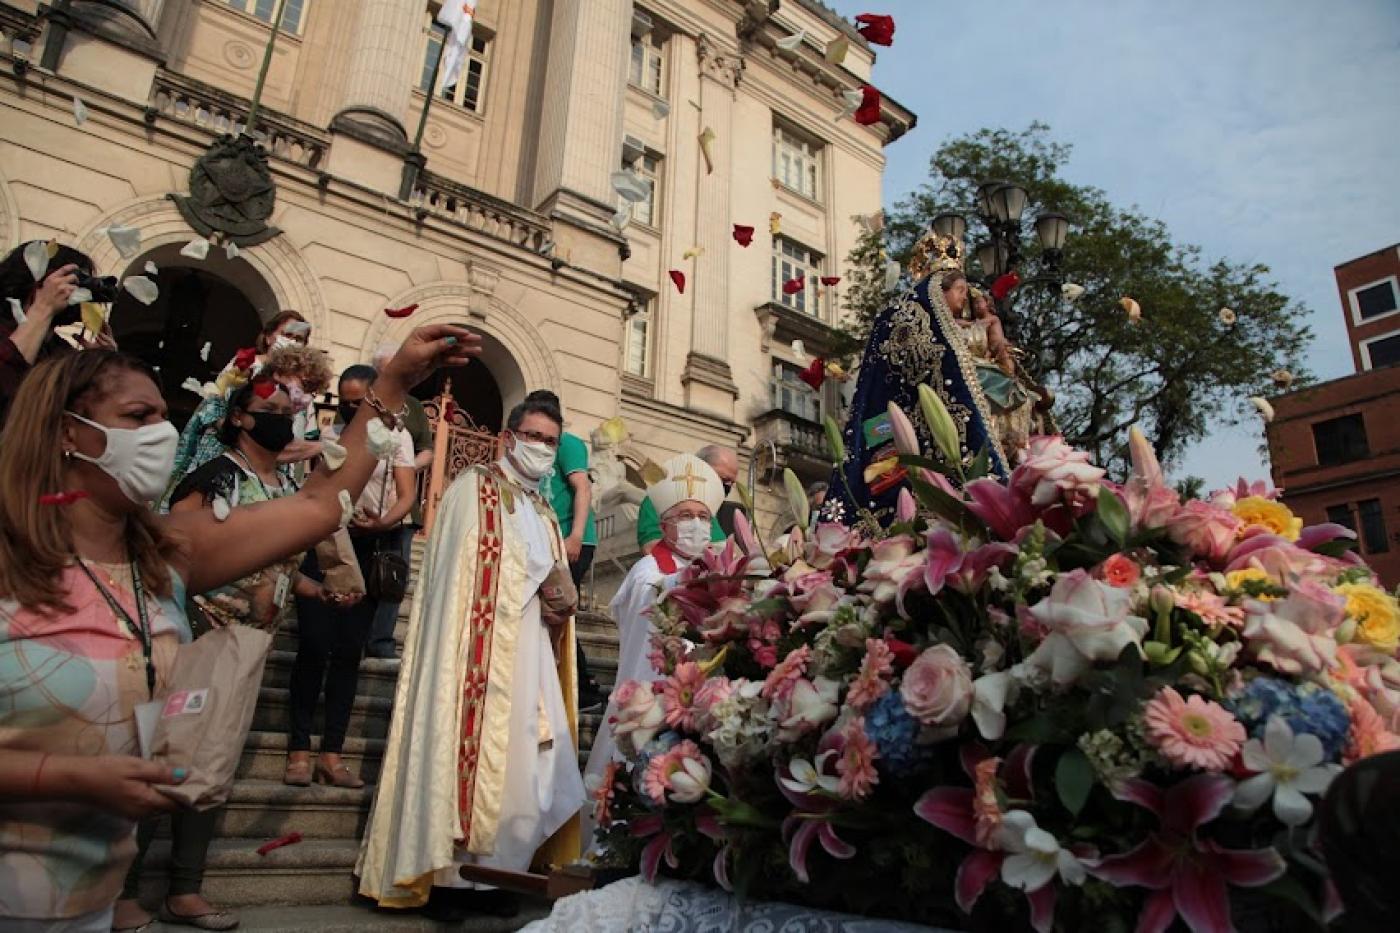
x=231 y=192
x=239 y=54
x=726 y=69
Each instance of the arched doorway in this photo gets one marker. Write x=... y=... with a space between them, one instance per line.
x=475 y=394
x=216 y=302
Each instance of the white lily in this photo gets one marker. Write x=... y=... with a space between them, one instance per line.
x=1289 y=766
x=1036 y=855
x=989 y=695
x=807 y=776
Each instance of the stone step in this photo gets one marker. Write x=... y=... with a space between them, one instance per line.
x=377 y=675
x=598 y=646
x=265 y=756
x=263 y=810
x=313 y=871
x=369 y=715
x=366 y=919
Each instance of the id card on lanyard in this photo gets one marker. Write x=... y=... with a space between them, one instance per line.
x=141 y=630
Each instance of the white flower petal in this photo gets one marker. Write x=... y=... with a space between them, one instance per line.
x=17 y=310
x=1254 y=756
x=380 y=440
x=347 y=507
x=1291 y=807
x=1306 y=753
x=1027 y=872
x=141 y=288
x=198 y=248
x=1278 y=739
x=127 y=240
x=192 y=385
x=793 y=42
x=204 y=351
x=80 y=112
x=151 y=268
x=1038 y=840
x=1315 y=780
x=36 y=257
x=334 y=454
x=231 y=250
x=79 y=296
x=1251 y=793
x=1071 y=868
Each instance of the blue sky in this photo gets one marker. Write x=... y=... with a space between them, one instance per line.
x=1262 y=130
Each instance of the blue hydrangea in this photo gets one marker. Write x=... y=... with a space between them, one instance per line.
x=660 y=745
x=1306 y=707
x=893 y=730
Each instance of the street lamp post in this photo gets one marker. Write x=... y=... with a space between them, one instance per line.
x=1000 y=206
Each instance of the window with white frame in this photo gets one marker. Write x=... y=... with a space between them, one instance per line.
x=293 y=16
x=796 y=161
x=637 y=343
x=791 y=261
x=792 y=395
x=647 y=168
x=1375 y=300
x=646 y=65
x=1381 y=351
x=469 y=92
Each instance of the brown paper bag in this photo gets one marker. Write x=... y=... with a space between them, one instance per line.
x=207 y=710
x=558 y=595
x=340 y=570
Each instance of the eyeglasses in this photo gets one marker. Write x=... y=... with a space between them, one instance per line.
x=535 y=437
x=688 y=516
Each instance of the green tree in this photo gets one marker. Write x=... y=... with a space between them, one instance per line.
x=1176 y=372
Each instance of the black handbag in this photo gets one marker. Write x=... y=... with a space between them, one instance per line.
x=387 y=580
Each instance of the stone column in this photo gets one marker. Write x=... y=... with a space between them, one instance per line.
x=707 y=377
x=580 y=131
x=380 y=70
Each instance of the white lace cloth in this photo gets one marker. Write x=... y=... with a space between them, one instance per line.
x=633 y=906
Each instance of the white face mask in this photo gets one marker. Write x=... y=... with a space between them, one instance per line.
x=139 y=459
x=532 y=459
x=692 y=535
x=283 y=342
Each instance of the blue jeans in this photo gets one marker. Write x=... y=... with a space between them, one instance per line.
x=386 y=615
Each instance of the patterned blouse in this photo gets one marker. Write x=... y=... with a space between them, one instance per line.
x=68 y=686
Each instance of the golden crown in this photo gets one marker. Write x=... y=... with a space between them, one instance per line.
x=935 y=252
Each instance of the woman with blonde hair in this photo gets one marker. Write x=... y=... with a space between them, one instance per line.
x=92 y=587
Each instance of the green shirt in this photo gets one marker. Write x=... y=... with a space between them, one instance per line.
x=572 y=458
x=649 y=526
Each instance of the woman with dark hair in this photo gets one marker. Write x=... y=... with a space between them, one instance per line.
x=92 y=586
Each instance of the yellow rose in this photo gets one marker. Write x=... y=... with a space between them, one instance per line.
x=1236 y=579
x=1376 y=613
x=1273 y=517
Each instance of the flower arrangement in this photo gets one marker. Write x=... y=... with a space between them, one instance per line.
x=1054 y=702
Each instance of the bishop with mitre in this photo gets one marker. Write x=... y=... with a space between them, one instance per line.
x=481 y=766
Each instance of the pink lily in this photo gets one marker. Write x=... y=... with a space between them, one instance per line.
x=1187 y=875
x=707 y=821
x=658 y=848
x=744 y=534
x=809 y=823
x=1314 y=536
x=808 y=830
x=1005 y=511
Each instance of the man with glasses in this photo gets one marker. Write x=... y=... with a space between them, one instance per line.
x=481 y=766
x=725 y=463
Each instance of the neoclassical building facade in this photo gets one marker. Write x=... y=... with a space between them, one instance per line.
x=501 y=212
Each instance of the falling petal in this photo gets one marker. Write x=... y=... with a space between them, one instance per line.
x=17 y=310
x=381 y=442
x=221 y=509
x=1227 y=317
x=678 y=277
x=127 y=240
x=799 y=349
x=869 y=112
x=693 y=252
x=94 y=316
x=794 y=285
x=775 y=223
x=231 y=250
x=198 y=248
x=831 y=280
x=852 y=98
x=1072 y=291
x=892 y=272
x=192 y=385
x=151 y=269
x=80 y=113
x=334 y=454
x=79 y=296
x=877 y=28
x=1266 y=411
x=1132 y=307
x=836 y=50
x=1282 y=378
x=204 y=351
x=629 y=186
x=397 y=313
x=36 y=257
x=660 y=109
x=793 y=42
x=211 y=390
x=622 y=218
x=264 y=389
x=141 y=288
x=743 y=235
x=347 y=507
x=63 y=498
x=707 y=141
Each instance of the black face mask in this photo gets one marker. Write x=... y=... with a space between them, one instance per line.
x=270 y=431
x=728 y=488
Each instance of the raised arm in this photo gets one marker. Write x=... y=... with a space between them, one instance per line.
x=255 y=536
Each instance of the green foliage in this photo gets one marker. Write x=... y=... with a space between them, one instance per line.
x=1175 y=373
x=1074 y=778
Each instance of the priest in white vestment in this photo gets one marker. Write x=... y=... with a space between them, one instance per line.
x=685 y=499
x=481 y=765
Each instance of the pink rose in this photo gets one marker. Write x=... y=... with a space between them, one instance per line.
x=808 y=706
x=1085 y=621
x=829 y=539
x=638 y=716
x=937 y=688
x=1207 y=530
x=1052 y=471
x=893 y=563
x=1297 y=634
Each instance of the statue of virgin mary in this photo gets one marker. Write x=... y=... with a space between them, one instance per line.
x=915 y=340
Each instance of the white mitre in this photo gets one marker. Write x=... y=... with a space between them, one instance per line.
x=687 y=478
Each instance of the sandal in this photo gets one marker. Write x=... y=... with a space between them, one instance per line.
x=339 y=776
x=138 y=928
x=298 y=773
x=214 y=920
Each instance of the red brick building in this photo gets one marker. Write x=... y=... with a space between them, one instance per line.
x=1335 y=446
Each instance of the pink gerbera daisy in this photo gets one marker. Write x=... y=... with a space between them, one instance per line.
x=856 y=766
x=785 y=676
x=603 y=794
x=869 y=684
x=986 y=809
x=1192 y=732
x=1212 y=609
x=678 y=695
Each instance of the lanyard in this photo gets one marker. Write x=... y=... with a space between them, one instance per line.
x=143 y=630
x=247 y=468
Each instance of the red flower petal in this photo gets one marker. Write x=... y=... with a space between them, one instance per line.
x=1042 y=901
x=830 y=280
x=950 y=809
x=979 y=868
x=1246 y=868
x=877 y=28
x=869 y=111
x=245 y=358
x=290 y=839
x=1144 y=794
x=743 y=235
x=264 y=388
x=397 y=313
x=1201 y=897
x=678 y=277
x=1017 y=771
x=1148 y=866
x=1194 y=802
x=815 y=373
x=63 y=498
x=1003 y=285
x=651 y=856
x=793 y=286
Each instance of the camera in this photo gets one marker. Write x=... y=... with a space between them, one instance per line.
x=104 y=288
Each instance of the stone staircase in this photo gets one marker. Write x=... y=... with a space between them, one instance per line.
x=317 y=872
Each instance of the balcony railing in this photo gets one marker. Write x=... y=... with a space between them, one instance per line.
x=188 y=101
x=798 y=442
x=476 y=210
